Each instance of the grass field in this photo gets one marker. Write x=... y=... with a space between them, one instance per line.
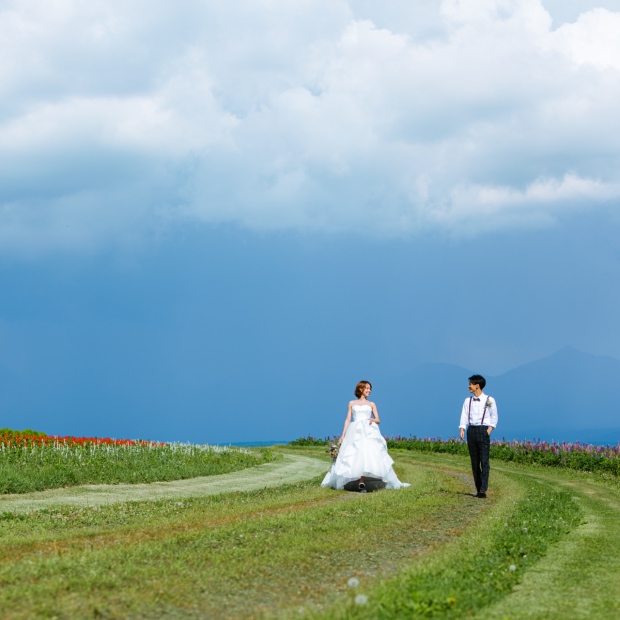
x=37 y=462
x=290 y=550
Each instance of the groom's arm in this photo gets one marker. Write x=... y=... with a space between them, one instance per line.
x=492 y=416
x=463 y=422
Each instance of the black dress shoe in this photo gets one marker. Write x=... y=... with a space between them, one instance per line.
x=481 y=495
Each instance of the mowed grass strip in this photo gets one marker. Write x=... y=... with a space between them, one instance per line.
x=485 y=564
x=235 y=555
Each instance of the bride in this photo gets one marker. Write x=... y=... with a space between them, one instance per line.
x=363 y=451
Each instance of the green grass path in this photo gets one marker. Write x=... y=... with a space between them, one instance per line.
x=292 y=468
x=580 y=577
x=252 y=553
x=269 y=542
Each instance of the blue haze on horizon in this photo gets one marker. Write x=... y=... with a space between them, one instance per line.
x=208 y=242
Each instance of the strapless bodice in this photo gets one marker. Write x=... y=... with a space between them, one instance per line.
x=361 y=412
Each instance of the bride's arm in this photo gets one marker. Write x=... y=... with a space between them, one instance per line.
x=376 y=419
x=346 y=424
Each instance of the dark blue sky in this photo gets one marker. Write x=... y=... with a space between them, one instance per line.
x=216 y=334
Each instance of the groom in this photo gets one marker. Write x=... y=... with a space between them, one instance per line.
x=479 y=415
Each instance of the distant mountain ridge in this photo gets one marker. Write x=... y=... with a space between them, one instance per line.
x=567 y=396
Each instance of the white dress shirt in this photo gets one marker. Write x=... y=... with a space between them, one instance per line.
x=477 y=409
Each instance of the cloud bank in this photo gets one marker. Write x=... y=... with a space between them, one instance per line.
x=119 y=120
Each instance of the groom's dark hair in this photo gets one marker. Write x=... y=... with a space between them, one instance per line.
x=478 y=380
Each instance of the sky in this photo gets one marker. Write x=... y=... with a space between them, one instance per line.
x=216 y=217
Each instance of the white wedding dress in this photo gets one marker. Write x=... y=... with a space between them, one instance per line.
x=363 y=452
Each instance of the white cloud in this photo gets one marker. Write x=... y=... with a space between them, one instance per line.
x=592 y=40
x=464 y=116
x=473 y=209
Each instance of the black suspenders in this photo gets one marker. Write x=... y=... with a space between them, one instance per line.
x=483 y=413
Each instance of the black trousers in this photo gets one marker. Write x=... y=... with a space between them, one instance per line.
x=479 y=443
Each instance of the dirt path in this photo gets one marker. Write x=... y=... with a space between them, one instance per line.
x=292 y=468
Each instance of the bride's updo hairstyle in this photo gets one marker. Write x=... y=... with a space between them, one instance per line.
x=359 y=388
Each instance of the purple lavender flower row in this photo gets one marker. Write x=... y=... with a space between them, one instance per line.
x=579 y=456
